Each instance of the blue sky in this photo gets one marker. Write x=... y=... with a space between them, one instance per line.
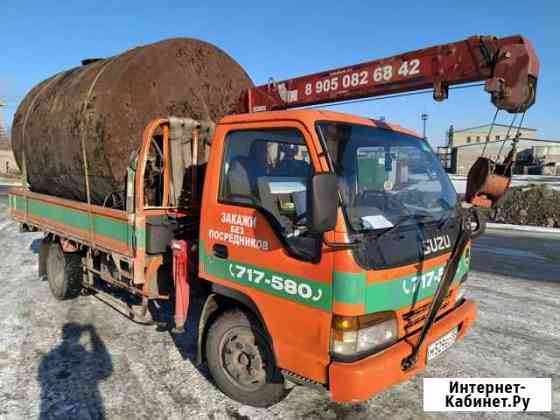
x=286 y=39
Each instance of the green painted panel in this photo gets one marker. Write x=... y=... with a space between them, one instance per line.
x=111 y=228
x=404 y=291
x=287 y=286
x=349 y=287
x=138 y=237
x=19 y=203
x=463 y=268
x=59 y=214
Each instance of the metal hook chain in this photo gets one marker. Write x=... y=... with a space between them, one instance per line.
x=508 y=161
x=507 y=136
x=518 y=134
x=490 y=132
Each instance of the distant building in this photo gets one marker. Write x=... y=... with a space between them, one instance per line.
x=541 y=159
x=536 y=156
x=481 y=134
x=8 y=165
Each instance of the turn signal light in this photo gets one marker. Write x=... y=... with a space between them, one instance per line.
x=366 y=333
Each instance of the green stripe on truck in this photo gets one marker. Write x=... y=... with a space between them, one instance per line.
x=349 y=288
x=298 y=289
x=102 y=225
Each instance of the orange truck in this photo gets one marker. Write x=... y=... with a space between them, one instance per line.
x=330 y=250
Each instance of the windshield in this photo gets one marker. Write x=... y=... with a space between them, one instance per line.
x=387 y=178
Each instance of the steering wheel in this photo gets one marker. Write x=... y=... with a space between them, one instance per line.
x=299 y=219
x=391 y=199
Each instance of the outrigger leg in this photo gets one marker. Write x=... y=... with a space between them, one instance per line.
x=182 y=289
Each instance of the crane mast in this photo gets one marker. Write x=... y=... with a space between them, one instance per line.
x=509 y=67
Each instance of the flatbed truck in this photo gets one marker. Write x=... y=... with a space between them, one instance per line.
x=330 y=250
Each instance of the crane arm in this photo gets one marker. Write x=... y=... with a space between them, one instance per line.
x=509 y=66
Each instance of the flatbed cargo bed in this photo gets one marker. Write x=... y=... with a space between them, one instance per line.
x=96 y=226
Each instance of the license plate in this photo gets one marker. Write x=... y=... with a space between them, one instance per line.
x=441 y=344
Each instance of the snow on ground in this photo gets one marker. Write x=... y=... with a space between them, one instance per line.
x=10 y=181
x=107 y=364
x=460 y=182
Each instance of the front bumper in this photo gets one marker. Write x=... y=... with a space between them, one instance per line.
x=360 y=380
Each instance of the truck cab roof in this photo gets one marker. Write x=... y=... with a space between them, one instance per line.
x=310 y=117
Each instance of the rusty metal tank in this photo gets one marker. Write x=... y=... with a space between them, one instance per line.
x=105 y=104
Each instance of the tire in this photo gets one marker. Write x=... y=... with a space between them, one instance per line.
x=64 y=273
x=241 y=360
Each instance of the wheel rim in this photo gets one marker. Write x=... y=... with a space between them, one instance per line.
x=56 y=267
x=243 y=360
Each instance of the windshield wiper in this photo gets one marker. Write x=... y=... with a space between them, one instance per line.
x=392 y=228
x=446 y=217
x=418 y=218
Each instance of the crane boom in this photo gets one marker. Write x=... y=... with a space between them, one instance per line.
x=508 y=65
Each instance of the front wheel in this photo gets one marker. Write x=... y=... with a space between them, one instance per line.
x=241 y=361
x=64 y=272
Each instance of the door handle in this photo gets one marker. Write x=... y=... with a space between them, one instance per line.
x=220 y=251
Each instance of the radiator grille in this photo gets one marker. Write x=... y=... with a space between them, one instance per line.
x=415 y=318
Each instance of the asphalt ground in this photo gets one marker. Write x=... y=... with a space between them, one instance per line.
x=81 y=359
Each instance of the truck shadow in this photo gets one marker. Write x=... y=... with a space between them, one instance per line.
x=70 y=374
x=186 y=342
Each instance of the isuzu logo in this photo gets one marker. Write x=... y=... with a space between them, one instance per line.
x=435 y=244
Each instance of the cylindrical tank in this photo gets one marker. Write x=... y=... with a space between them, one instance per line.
x=106 y=104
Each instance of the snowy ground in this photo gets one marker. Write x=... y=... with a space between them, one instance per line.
x=107 y=364
x=5 y=181
x=460 y=182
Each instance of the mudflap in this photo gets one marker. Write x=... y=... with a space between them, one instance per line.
x=43 y=254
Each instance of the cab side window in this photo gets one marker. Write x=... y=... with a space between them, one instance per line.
x=269 y=170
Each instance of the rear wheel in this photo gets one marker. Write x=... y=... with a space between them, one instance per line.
x=241 y=361
x=64 y=273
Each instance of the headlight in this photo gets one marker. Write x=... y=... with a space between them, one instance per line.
x=354 y=335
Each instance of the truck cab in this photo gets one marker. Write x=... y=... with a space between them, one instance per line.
x=340 y=304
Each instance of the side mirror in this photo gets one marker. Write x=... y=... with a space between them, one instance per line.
x=322 y=202
x=474 y=221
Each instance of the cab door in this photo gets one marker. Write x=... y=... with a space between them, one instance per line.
x=254 y=240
